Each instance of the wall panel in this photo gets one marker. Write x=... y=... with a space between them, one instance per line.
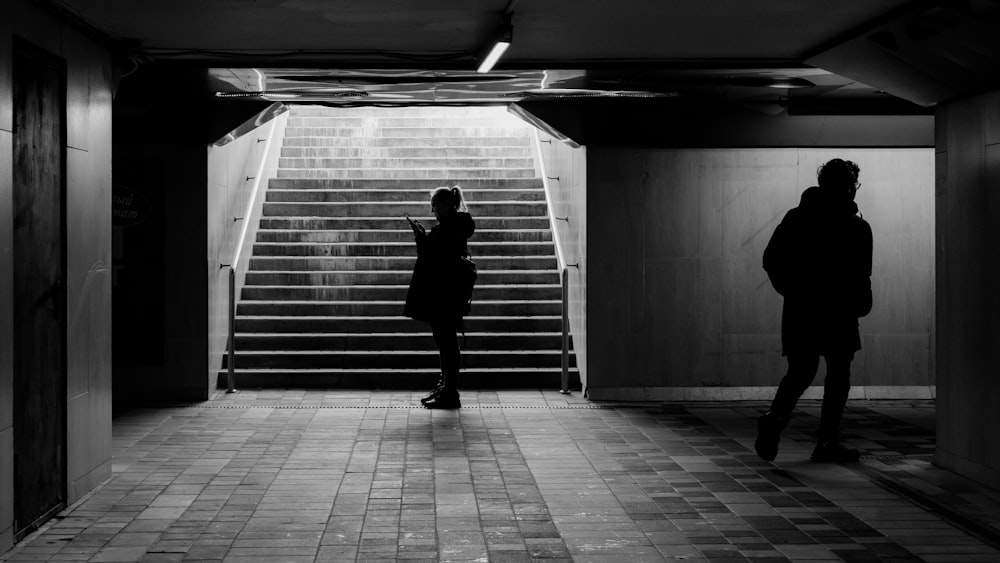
x=968 y=274
x=6 y=320
x=6 y=70
x=680 y=323
x=752 y=210
x=6 y=488
x=6 y=281
x=754 y=359
x=894 y=359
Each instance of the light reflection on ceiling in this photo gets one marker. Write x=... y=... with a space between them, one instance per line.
x=409 y=87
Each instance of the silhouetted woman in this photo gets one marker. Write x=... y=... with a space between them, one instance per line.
x=440 y=287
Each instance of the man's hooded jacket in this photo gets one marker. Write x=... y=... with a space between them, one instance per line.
x=820 y=260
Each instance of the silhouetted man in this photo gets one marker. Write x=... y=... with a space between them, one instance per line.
x=820 y=260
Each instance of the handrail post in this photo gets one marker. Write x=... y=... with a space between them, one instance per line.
x=565 y=331
x=231 y=361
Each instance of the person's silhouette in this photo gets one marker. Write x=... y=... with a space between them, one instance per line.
x=820 y=260
x=439 y=289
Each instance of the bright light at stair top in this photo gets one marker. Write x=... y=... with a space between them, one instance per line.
x=499 y=48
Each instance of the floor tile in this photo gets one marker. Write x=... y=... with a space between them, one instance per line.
x=514 y=476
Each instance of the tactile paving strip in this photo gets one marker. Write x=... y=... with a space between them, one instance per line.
x=390 y=406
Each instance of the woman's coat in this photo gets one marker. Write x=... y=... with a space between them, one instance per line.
x=436 y=288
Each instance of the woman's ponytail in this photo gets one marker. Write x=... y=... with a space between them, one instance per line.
x=458 y=199
x=452 y=195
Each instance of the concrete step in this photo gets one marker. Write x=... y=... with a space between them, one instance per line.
x=399 y=209
x=424 y=132
x=497 y=111
x=400 y=341
x=393 y=249
x=419 y=197
x=449 y=175
x=402 y=183
x=393 y=223
x=394 y=324
x=551 y=292
x=421 y=163
x=482 y=151
x=412 y=378
x=324 y=296
x=398 y=235
x=375 y=123
x=502 y=140
x=389 y=277
x=505 y=308
x=398 y=359
x=324 y=264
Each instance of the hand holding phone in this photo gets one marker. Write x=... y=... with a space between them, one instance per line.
x=415 y=225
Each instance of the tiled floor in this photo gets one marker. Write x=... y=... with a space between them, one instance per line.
x=514 y=476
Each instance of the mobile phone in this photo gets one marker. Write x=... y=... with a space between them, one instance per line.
x=412 y=222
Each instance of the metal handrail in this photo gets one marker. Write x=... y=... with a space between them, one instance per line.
x=560 y=258
x=231 y=359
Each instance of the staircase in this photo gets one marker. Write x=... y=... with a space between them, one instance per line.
x=323 y=299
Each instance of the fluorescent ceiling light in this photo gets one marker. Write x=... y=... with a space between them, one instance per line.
x=499 y=48
x=500 y=44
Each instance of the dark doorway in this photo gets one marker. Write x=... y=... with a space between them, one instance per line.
x=39 y=286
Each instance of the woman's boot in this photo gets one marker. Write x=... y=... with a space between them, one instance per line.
x=447 y=398
x=434 y=392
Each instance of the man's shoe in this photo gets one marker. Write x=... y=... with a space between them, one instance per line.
x=769 y=429
x=832 y=451
x=444 y=400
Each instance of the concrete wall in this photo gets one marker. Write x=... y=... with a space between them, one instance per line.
x=88 y=224
x=161 y=290
x=968 y=277
x=565 y=173
x=165 y=265
x=161 y=287
x=679 y=304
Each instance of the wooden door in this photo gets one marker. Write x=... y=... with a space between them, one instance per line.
x=39 y=287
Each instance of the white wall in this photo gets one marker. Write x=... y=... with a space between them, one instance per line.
x=565 y=170
x=678 y=299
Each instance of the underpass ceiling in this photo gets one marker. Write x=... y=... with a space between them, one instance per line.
x=448 y=33
x=402 y=51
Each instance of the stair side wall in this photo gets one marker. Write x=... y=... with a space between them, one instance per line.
x=565 y=171
x=233 y=169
